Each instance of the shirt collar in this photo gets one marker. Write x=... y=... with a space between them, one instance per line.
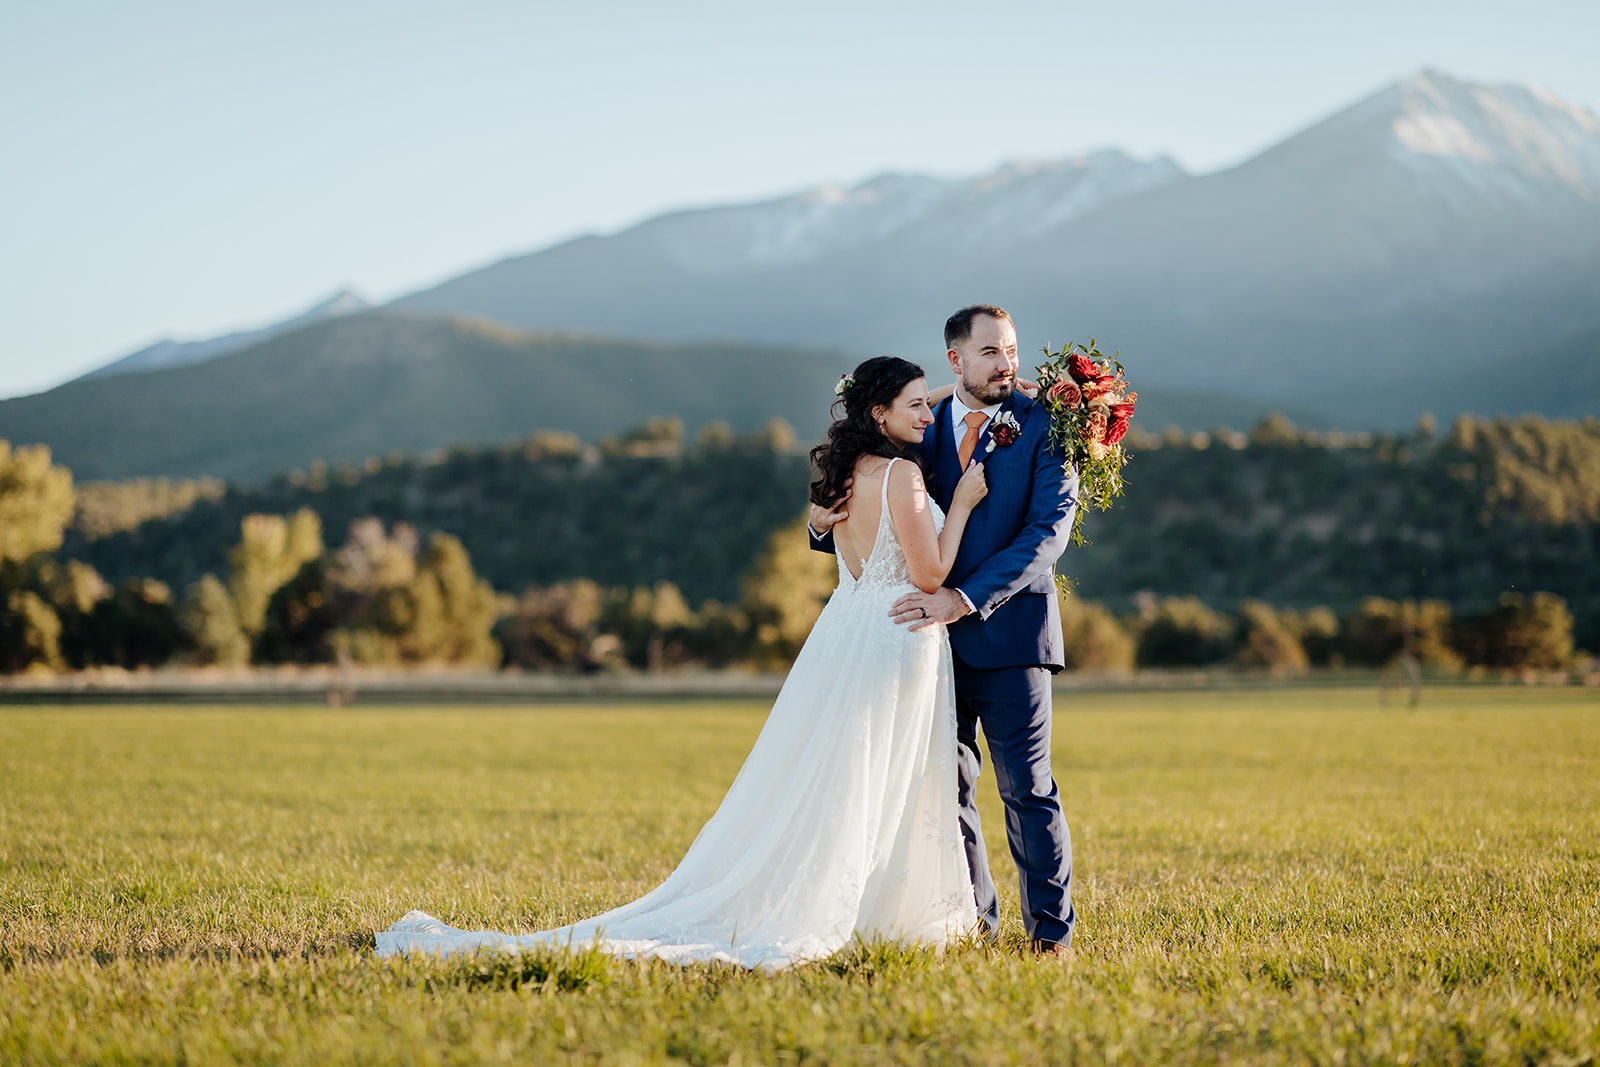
x=960 y=410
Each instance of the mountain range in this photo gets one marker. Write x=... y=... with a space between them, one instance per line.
x=1432 y=225
x=350 y=388
x=171 y=353
x=1436 y=246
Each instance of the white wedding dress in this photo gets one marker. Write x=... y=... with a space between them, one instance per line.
x=842 y=821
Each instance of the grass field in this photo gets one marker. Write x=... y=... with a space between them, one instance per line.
x=1278 y=877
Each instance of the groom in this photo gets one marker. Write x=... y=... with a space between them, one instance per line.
x=1000 y=603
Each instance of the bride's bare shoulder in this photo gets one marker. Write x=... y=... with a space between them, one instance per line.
x=905 y=482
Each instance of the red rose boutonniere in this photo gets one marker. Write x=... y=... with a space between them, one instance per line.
x=1003 y=431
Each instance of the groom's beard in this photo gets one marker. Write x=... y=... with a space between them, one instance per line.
x=989 y=391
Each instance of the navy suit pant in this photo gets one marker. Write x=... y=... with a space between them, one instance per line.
x=1013 y=707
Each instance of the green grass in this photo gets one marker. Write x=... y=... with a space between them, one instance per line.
x=1262 y=877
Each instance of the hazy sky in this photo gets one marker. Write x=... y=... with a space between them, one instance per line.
x=180 y=169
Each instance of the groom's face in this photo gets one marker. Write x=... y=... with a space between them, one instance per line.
x=986 y=363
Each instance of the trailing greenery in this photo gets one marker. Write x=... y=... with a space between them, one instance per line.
x=1260 y=878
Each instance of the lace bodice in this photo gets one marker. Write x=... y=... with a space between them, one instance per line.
x=885 y=565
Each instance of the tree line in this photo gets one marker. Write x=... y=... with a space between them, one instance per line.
x=1279 y=549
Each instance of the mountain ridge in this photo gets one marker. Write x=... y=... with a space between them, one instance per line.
x=1432 y=225
x=1347 y=249
x=173 y=353
x=377 y=383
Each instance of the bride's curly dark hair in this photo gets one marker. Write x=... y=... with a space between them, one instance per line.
x=855 y=434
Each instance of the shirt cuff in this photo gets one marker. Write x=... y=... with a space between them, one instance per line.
x=813 y=531
x=968 y=601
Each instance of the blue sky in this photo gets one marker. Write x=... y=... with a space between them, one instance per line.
x=180 y=169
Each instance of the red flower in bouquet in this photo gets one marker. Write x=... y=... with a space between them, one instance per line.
x=1082 y=368
x=1117 y=425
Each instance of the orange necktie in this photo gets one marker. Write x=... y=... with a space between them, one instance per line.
x=975 y=421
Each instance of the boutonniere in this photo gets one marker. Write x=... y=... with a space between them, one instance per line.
x=1004 y=430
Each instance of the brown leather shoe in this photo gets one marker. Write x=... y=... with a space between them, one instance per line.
x=1061 y=950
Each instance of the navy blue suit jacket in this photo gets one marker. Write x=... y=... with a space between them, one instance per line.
x=1006 y=564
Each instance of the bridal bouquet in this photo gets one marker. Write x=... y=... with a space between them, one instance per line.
x=1090 y=409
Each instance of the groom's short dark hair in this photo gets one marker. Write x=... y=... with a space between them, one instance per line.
x=958 y=327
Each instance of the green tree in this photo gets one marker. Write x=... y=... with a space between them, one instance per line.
x=661 y=437
x=402 y=609
x=1275 y=431
x=453 y=610
x=271 y=550
x=210 y=621
x=1427 y=628
x=81 y=587
x=653 y=624
x=30 y=634
x=36 y=502
x=784 y=592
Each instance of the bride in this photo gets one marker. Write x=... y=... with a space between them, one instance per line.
x=843 y=820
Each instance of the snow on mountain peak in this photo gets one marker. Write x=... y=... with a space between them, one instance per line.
x=1517 y=131
x=1020 y=198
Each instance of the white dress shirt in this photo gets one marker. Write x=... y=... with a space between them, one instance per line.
x=958 y=416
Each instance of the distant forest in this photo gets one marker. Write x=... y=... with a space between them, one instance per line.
x=1292 y=517
x=1278 y=550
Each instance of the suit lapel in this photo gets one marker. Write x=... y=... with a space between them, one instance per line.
x=946 y=472
x=1019 y=411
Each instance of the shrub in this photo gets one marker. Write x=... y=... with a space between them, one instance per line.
x=556 y=628
x=1378 y=630
x=1266 y=641
x=1184 y=632
x=1317 y=630
x=1094 y=639
x=1373 y=633
x=136 y=626
x=1519 y=632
